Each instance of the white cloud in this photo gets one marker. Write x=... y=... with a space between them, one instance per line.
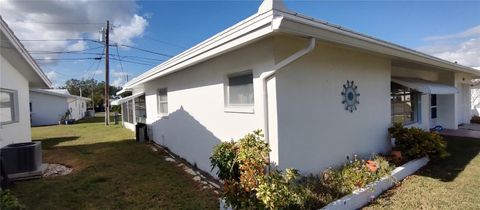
x=475 y=31
x=53 y=76
x=463 y=47
x=123 y=34
x=80 y=45
x=120 y=78
x=38 y=20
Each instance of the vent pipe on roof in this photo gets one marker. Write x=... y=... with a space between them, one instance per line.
x=268 y=5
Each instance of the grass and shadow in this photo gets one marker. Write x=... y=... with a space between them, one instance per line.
x=110 y=171
x=462 y=151
x=49 y=143
x=450 y=183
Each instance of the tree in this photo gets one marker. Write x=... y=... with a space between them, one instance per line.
x=91 y=88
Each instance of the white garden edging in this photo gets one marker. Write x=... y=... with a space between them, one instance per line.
x=362 y=197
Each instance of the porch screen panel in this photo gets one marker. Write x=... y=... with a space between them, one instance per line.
x=124 y=112
x=130 y=111
x=140 y=111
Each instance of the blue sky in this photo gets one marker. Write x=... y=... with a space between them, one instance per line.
x=440 y=28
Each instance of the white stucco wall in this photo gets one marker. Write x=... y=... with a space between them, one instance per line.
x=309 y=126
x=314 y=129
x=47 y=109
x=11 y=79
x=77 y=110
x=463 y=99
x=197 y=119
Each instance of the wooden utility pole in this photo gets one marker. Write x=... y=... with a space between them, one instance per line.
x=107 y=76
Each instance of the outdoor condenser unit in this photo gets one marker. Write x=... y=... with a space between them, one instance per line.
x=22 y=160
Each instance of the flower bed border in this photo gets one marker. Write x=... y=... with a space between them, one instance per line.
x=362 y=197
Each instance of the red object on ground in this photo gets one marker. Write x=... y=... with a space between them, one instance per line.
x=372 y=166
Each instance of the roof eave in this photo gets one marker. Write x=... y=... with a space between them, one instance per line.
x=59 y=94
x=247 y=31
x=21 y=49
x=297 y=24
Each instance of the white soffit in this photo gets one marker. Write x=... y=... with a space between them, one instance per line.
x=424 y=86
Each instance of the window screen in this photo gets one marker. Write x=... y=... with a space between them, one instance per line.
x=404 y=104
x=433 y=106
x=8 y=112
x=162 y=101
x=240 y=89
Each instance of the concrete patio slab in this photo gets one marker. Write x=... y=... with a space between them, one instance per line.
x=461 y=133
x=474 y=127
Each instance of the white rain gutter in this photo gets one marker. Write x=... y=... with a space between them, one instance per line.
x=272 y=73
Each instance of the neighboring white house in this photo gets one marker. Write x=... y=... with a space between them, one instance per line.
x=18 y=73
x=48 y=106
x=318 y=91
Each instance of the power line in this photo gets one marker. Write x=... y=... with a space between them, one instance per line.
x=63 y=23
x=59 y=52
x=145 y=50
x=167 y=43
x=138 y=58
x=95 y=72
x=134 y=62
x=58 y=40
x=60 y=59
x=143 y=58
x=121 y=65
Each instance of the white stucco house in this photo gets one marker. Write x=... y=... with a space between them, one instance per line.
x=48 y=106
x=18 y=73
x=319 y=92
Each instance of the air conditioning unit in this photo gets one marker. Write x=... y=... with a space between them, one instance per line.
x=22 y=160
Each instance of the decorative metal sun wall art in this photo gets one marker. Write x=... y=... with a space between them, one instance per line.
x=350 y=96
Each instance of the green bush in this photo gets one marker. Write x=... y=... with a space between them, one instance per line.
x=335 y=183
x=9 y=202
x=416 y=143
x=246 y=185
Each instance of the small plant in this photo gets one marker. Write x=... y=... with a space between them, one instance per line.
x=475 y=119
x=416 y=143
x=9 y=202
x=357 y=173
x=335 y=183
x=246 y=184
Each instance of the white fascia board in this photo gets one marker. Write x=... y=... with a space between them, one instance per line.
x=123 y=90
x=59 y=94
x=21 y=49
x=305 y=26
x=251 y=29
x=123 y=100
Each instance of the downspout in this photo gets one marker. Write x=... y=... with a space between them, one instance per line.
x=272 y=73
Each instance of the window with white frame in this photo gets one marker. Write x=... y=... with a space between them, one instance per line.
x=162 y=100
x=240 y=89
x=433 y=106
x=8 y=106
x=404 y=104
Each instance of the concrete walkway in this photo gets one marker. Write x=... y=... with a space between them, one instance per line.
x=466 y=130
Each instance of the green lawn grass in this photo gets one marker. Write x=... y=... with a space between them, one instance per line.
x=111 y=171
x=452 y=183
